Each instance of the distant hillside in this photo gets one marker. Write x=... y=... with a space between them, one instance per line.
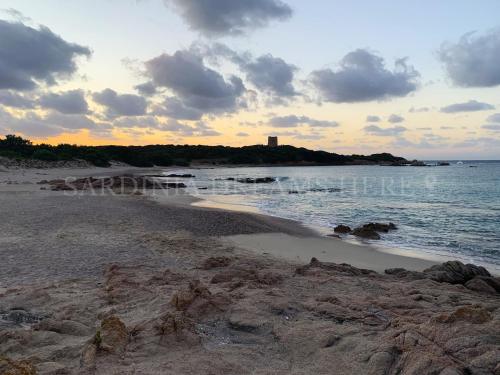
x=166 y=155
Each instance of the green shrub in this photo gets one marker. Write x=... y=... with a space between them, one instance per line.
x=45 y=155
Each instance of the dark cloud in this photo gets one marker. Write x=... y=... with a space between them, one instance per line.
x=136 y=122
x=32 y=124
x=196 y=86
x=121 y=104
x=371 y=118
x=384 y=132
x=230 y=17
x=271 y=74
x=494 y=118
x=13 y=99
x=174 y=108
x=362 y=76
x=146 y=89
x=69 y=102
x=293 y=121
x=473 y=60
x=495 y=127
x=470 y=106
x=31 y=56
x=395 y=119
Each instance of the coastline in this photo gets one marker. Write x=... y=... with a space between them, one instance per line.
x=123 y=283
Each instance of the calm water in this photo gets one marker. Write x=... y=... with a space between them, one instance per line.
x=451 y=210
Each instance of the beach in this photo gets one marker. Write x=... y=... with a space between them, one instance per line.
x=141 y=284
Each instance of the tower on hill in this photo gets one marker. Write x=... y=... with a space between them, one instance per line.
x=272 y=141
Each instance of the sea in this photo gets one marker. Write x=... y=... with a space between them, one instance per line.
x=440 y=211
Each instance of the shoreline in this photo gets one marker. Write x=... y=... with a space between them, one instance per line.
x=318 y=245
x=122 y=283
x=415 y=256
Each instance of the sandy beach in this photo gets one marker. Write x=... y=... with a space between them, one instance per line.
x=139 y=284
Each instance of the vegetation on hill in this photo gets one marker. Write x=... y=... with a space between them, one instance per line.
x=166 y=155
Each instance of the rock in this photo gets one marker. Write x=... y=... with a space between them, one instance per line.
x=198 y=302
x=379 y=227
x=173 y=324
x=455 y=272
x=183 y=299
x=480 y=284
x=403 y=273
x=113 y=335
x=363 y=232
x=343 y=229
x=216 y=262
x=51 y=368
x=258 y=180
x=65 y=327
x=89 y=355
x=344 y=269
x=11 y=367
x=474 y=315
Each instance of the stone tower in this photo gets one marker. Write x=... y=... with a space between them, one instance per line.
x=272 y=141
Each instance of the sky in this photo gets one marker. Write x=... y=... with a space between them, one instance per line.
x=417 y=79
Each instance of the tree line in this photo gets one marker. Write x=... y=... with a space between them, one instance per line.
x=12 y=146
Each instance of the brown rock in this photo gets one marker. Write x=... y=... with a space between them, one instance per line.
x=173 y=324
x=474 y=315
x=11 y=367
x=343 y=269
x=216 y=262
x=114 y=335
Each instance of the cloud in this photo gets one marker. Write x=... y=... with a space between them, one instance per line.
x=362 y=76
x=196 y=86
x=15 y=100
x=69 y=102
x=136 y=122
x=494 y=127
x=473 y=60
x=395 y=119
x=494 y=118
x=419 y=109
x=120 y=104
x=271 y=74
x=384 y=132
x=31 y=56
x=470 y=106
x=200 y=129
x=422 y=144
x=371 y=118
x=32 y=124
x=174 y=108
x=242 y=134
x=146 y=89
x=230 y=17
x=293 y=121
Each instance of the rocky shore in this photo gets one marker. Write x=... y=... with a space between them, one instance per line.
x=113 y=284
